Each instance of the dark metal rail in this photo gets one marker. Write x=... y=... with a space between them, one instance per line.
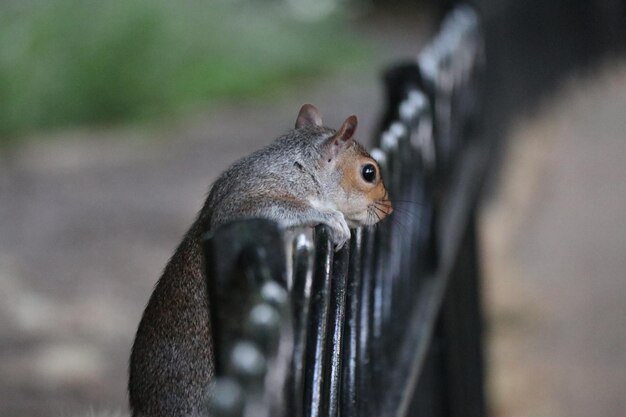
x=390 y=325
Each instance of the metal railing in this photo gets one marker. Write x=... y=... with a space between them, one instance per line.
x=390 y=325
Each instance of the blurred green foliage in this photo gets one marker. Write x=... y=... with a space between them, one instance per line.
x=68 y=62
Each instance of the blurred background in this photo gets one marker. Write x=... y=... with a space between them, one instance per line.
x=116 y=116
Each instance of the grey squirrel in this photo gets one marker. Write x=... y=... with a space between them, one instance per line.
x=311 y=175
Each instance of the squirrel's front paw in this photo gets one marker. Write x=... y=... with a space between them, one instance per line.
x=340 y=232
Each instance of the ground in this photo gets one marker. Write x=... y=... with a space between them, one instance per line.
x=555 y=263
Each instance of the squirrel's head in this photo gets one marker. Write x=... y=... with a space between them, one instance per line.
x=351 y=177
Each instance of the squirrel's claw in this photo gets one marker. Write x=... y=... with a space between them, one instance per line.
x=339 y=230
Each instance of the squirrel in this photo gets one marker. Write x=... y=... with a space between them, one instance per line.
x=311 y=175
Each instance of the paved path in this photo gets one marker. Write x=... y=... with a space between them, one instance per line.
x=556 y=255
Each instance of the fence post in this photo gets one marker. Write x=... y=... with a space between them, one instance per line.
x=391 y=324
x=460 y=333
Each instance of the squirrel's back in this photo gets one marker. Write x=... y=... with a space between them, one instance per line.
x=171 y=362
x=282 y=167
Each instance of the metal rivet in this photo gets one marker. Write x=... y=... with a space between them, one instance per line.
x=247 y=361
x=273 y=294
x=264 y=324
x=264 y=316
x=226 y=399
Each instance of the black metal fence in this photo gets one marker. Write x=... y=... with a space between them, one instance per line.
x=391 y=324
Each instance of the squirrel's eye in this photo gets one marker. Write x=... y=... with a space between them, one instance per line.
x=369 y=173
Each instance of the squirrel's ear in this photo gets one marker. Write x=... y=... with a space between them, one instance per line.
x=347 y=129
x=308 y=116
x=344 y=136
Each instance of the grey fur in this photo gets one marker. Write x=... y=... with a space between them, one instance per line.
x=277 y=182
x=290 y=181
